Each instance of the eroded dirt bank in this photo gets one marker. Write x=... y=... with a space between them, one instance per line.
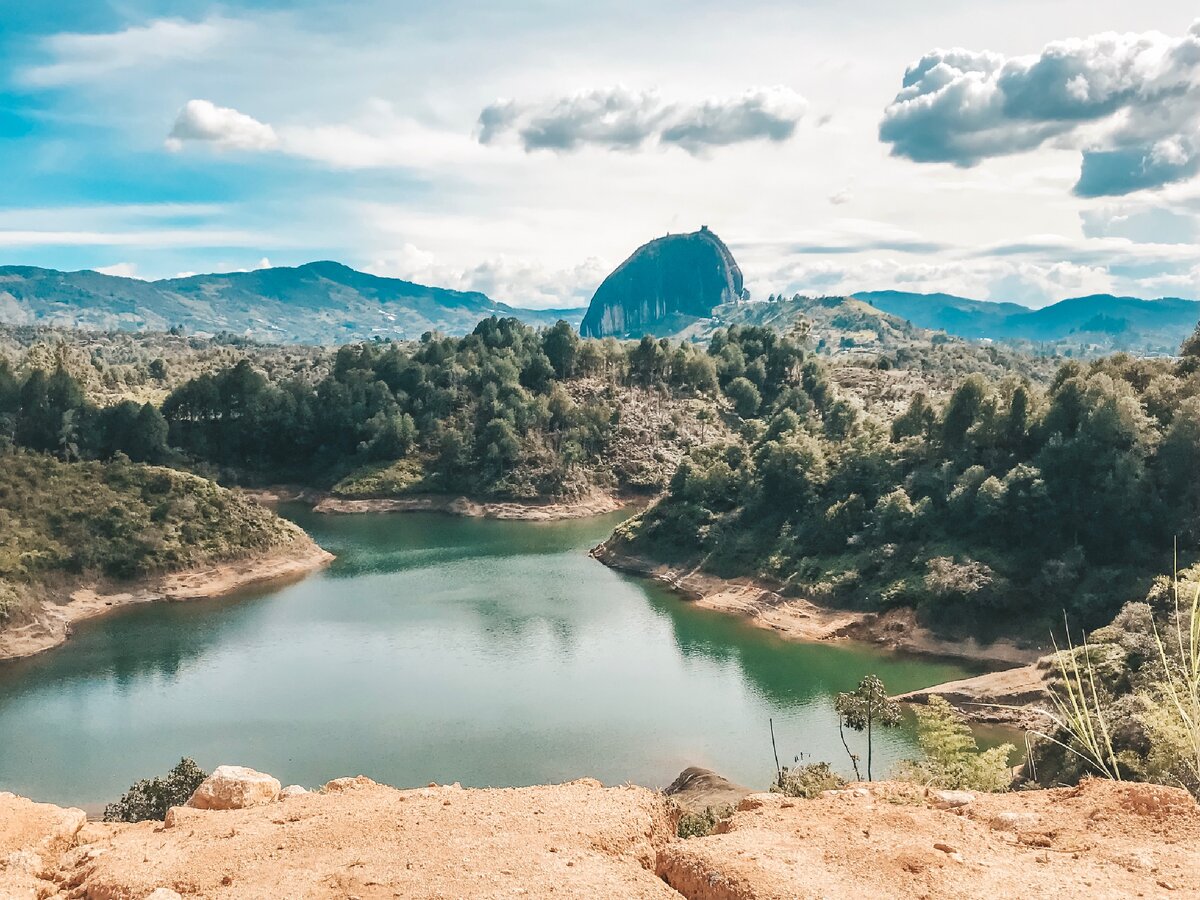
x=61 y=609
x=596 y=503
x=355 y=838
x=802 y=620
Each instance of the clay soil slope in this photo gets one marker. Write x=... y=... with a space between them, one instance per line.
x=359 y=839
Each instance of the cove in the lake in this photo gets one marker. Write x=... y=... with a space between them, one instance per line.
x=434 y=649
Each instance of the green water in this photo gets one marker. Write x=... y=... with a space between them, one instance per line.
x=434 y=649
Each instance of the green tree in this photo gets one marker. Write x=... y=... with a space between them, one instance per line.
x=866 y=708
x=560 y=343
x=744 y=395
x=950 y=756
x=152 y=797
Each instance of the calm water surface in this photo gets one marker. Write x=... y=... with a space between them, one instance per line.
x=434 y=649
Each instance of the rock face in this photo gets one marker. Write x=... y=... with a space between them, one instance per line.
x=663 y=285
x=234 y=787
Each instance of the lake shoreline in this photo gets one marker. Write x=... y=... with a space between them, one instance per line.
x=1017 y=680
x=596 y=503
x=61 y=609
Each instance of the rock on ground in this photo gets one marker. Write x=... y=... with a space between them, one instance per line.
x=696 y=789
x=32 y=836
x=234 y=787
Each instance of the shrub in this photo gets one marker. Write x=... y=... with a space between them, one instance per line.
x=152 y=797
x=807 y=781
x=701 y=824
x=950 y=756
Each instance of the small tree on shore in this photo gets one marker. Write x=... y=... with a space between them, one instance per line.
x=866 y=708
x=152 y=797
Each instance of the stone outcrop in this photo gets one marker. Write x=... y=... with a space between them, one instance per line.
x=234 y=787
x=663 y=286
x=697 y=789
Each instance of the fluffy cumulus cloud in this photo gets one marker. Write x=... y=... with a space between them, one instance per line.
x=620 y=118
x=1129 y=102
x=219 y=126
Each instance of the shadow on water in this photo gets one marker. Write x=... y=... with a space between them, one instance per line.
x=433 y=649
x=787 y=672
x=127 y=644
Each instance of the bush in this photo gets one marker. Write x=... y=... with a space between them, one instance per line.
x=807 y=781
x=152 y=797
x=951 y=758
x=701 y=824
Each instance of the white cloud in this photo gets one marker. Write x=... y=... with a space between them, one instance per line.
x=1129 y=102
x=1018 y=281
x=519 y=282
x=84 y=57
x=121 y=270
x=220 y=126
x=620 y=118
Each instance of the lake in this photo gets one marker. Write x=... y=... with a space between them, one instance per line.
x=434 y=649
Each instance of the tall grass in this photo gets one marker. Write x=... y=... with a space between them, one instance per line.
x=1179 y=689
x=1078 y=712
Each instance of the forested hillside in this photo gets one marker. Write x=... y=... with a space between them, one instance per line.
x=970 y=485
x=62 y=521
x=999 y=508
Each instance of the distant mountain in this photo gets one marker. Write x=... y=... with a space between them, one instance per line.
x=320 y=302
x=663 y=286
x=1098 y=321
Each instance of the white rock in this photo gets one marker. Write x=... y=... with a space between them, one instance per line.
x=1013 y=821
x=234 y=787
x=293 y=790
x=951 y=799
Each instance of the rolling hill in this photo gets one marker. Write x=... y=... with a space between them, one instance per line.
x=1098 y=321
x=320 y=302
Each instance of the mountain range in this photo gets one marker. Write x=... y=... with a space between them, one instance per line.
x=683 y=285
x=1103 y=320
x=320 y=302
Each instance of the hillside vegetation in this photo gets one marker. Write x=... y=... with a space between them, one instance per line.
x=506 y=412
x=997 y=509
x=118 y=520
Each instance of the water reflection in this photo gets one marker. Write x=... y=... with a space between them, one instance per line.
x=434 y=649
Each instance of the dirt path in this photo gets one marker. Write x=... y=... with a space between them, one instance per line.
x=359 y=839
x=53 y=622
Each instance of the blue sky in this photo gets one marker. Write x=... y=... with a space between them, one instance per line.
x=1006 y=150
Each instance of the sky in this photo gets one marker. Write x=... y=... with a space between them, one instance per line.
x=1015 y=150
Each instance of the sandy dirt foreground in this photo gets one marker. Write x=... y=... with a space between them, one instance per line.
x=53 y=622
x=360 y=839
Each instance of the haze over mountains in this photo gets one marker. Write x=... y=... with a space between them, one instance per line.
x=320 y=302
x=680 y=285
